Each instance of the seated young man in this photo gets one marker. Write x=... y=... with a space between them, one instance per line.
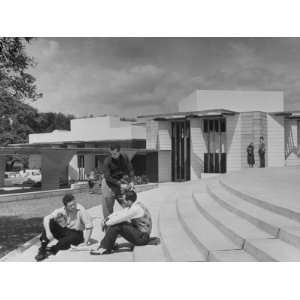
x=133 y=223
x=69 y=225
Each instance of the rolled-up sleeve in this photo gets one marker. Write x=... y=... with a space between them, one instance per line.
x=54 y=214
x=124 y=215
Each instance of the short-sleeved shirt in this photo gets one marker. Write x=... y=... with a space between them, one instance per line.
x=79 y=220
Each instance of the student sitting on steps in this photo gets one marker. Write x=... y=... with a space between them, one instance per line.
x=133 y=223
x=69 y=225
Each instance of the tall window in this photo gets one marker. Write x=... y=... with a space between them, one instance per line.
x=298 y=135
x=80 y=161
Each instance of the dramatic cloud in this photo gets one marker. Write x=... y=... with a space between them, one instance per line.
x=132 y=76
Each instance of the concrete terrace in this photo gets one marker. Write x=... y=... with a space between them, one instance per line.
x=249 y=215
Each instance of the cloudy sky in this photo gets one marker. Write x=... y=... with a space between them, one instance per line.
x=135 y=76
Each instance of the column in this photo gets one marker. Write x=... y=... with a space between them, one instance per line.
x=55 y=167
x=2 y=170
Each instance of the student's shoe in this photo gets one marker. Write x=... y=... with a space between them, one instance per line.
x=42 y=254
x=100 y=251
x=116 y=247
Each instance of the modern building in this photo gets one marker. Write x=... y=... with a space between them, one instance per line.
x=210 y=131
x=93 y=133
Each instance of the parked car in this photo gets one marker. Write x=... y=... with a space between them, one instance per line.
x=27 y=177
x=13 y=178
x=34 y=175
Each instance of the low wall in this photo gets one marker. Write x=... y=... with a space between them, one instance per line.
x=54 y=193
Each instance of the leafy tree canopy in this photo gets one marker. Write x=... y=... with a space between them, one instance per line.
x=18 y=120
x=15 y=82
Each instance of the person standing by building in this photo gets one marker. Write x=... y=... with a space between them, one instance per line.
x=261 y=152
x=250 y=155
x=115 y=167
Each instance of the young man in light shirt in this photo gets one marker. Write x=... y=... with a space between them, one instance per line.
x=70 y=225
x=133 y=223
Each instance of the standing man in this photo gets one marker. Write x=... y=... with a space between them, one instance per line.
x=115 y=168
x=69 y=225
x=261 y=152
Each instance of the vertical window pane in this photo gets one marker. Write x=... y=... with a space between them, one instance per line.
x=205 y=125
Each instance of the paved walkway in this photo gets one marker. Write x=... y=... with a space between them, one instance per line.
x=207 y=220
x=153 y=199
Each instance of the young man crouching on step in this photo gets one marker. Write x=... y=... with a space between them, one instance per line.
x=133 y=223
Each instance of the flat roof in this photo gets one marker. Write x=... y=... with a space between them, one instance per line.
x=84 y=142
x=288 y=113
x=192 y=114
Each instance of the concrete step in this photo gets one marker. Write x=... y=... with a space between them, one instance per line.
x=284 y=208
x=230 y=256
x=176 y=243
x=286 y=229
x=234 y=227
x=272 y=250
x=203 y=233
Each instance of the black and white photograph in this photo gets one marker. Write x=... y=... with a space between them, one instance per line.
x=150 y=149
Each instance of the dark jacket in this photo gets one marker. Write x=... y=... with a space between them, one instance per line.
x=115 y=169
x=250 y=155
x=262 y=149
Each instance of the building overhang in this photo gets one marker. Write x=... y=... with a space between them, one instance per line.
x=287 y=114
x=27 y=149
x=190 y=114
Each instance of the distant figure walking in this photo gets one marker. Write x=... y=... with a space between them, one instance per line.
x=261 y=152
x=250 y=155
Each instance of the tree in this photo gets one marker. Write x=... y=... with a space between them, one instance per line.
x=15 y=82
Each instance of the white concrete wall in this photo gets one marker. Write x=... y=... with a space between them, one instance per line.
x=291 y=143
x=73 y=169
x=198 y=148
x=93 y=129
x=51 y=137
x=189 y=103
x=233 y=143
x=240 y=101
x=164 y=166
x=164 y=135
x=275 y=142
x=152 y=135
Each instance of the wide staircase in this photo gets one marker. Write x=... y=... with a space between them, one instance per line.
x=217 y=219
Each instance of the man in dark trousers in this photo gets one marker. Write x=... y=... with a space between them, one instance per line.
x=133 y=223
x=261 y=152
x=115 y=168
x=69 y=225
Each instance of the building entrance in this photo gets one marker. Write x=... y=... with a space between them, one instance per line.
x=214 y=131
x=181 y=150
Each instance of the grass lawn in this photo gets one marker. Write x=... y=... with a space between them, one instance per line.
x=22 y=220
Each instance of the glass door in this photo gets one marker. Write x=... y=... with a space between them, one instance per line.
x=215 y=157
x=181 y=150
